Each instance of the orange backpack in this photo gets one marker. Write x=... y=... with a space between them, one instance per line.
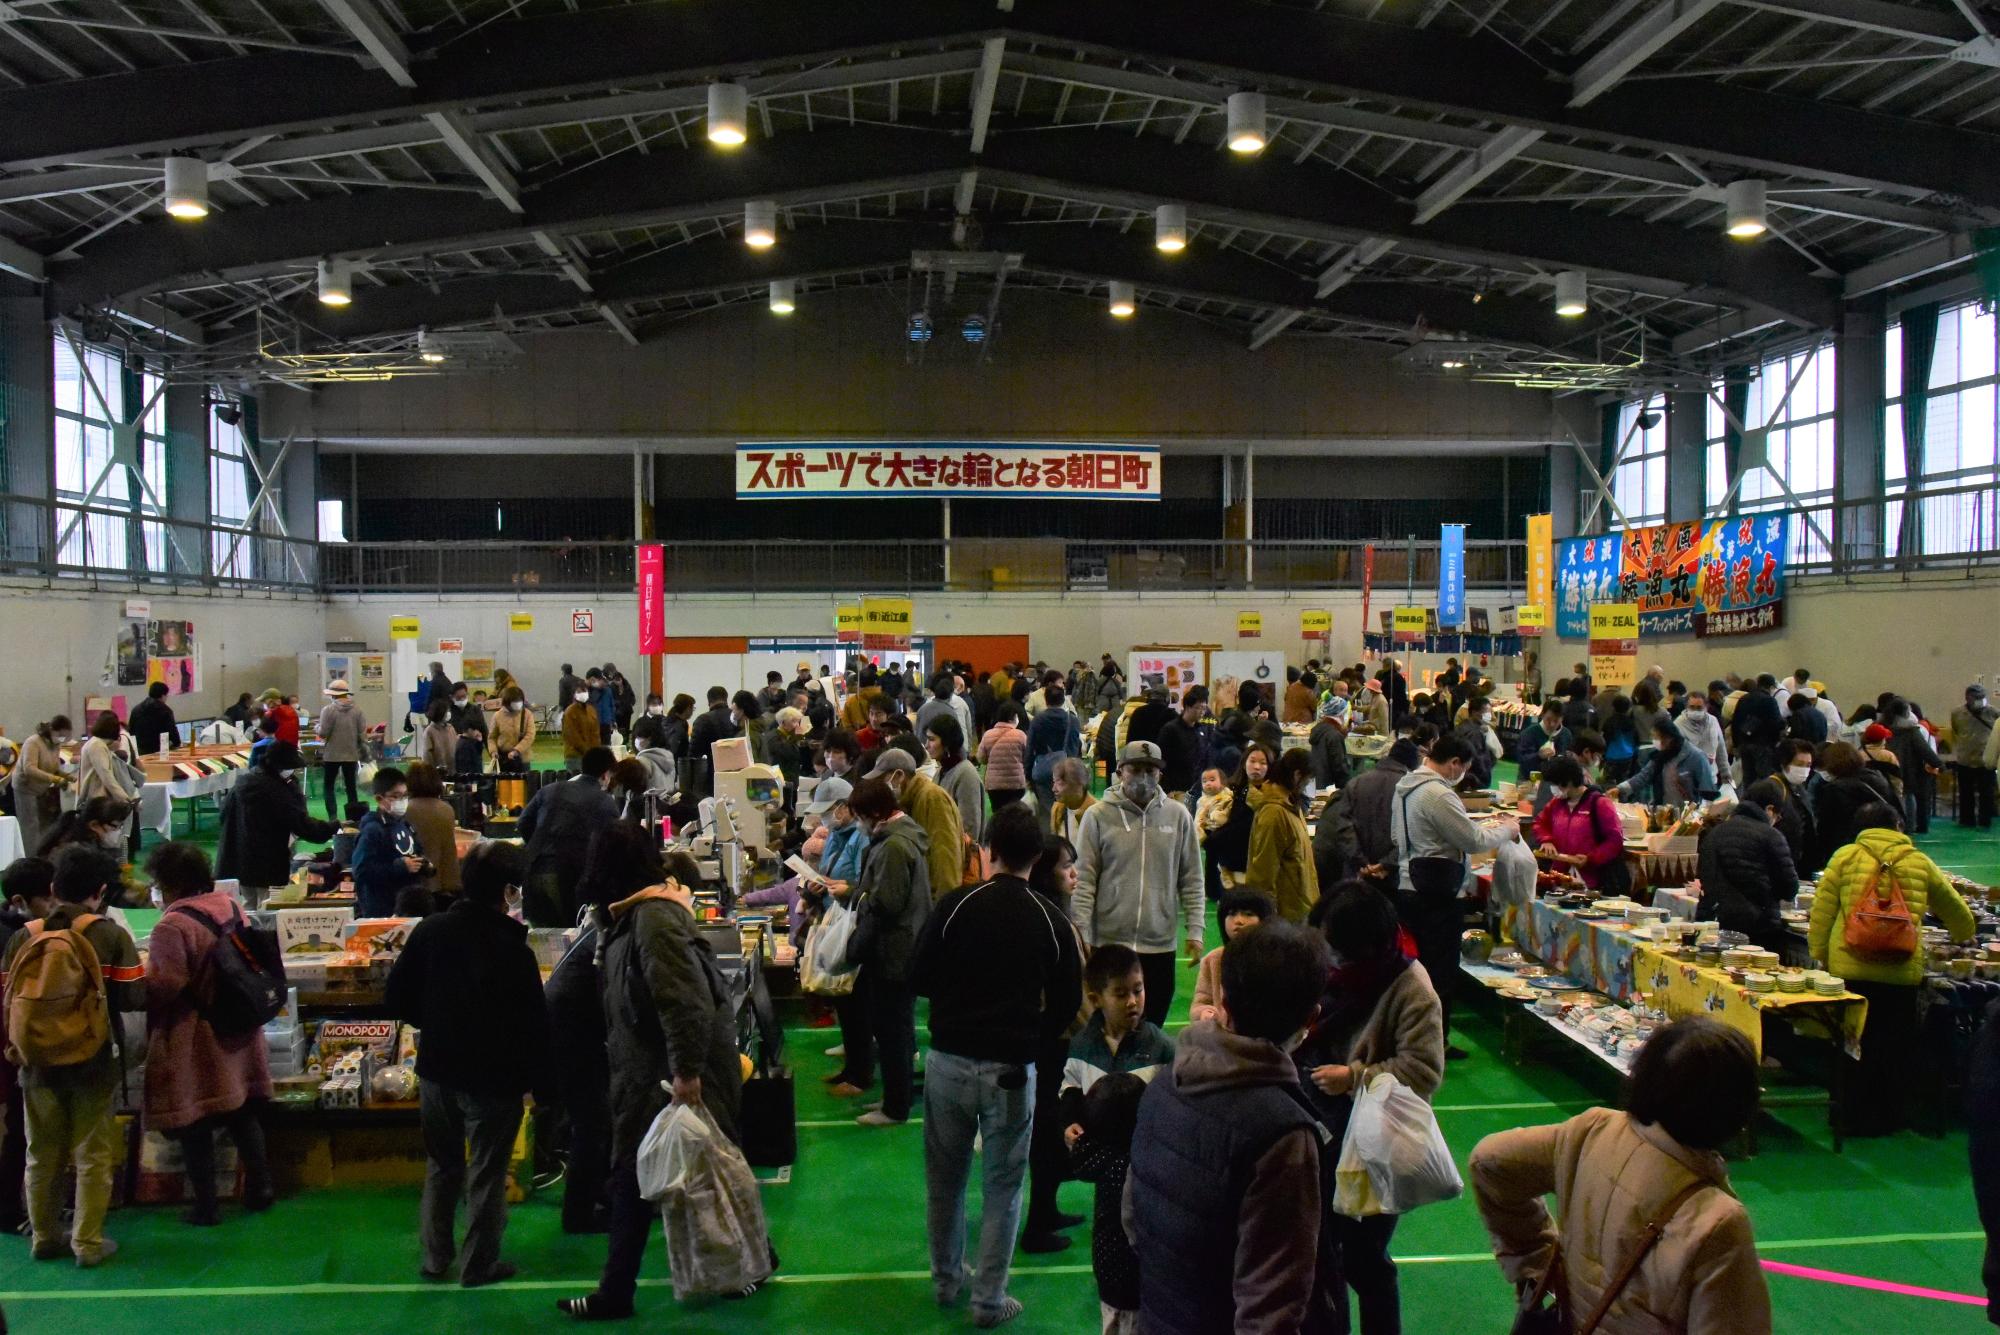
x=57 y=1014
x=1880 y=927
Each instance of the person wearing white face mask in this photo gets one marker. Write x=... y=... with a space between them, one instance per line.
x=39 y=780
x=1138 y=871
x=1795 y=818
x=1704 y=734
x=261 y=816
x=386 y=860
x=580 y=730
x=513 y=732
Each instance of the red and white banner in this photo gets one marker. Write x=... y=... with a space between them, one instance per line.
x=1367 y=582
x=652 y=598
x=783 y=471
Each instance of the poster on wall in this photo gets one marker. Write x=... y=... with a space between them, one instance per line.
x=477 y=673
x=372 y=669
x=134 y=649
x=1743 y=577
x=1660 y=570
x=145 y=652
x=1173 y=669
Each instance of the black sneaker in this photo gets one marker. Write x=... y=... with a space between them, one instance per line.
x=1043 y=1244
x=593 y=1307
x=1452 y=1054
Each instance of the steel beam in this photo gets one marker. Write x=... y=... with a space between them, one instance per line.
x=470 y=148
x=984 y=85
x=1272 y=325
x=1917 y=262
x=378 y=37
x=1891 y=20
x=1634 y=45
x=1466 y=176
x=1350 y=266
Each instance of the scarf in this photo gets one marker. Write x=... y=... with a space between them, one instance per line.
x=1355 y=987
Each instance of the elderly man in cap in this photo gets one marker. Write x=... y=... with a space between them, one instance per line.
x=1972 y=756
x=933 y=808
x=1139 y=875
x=343 y=732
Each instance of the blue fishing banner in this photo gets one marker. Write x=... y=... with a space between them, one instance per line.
x=1451 y=575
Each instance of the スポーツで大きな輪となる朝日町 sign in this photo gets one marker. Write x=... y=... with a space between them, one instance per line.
x=786 y=471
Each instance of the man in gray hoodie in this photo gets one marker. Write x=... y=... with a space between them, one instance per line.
x=1433 y=838
x=342 y=731
x=1138 y=869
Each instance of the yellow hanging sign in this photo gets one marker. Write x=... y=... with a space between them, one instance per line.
x=885 y=623
x=1614 y=644
x=520 y=621
x=404 y=628
x=1314 y=623
x=1410 y=624
x=1249 y=625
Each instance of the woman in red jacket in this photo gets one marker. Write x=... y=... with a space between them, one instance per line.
x=280 y=709
x=1581 y=827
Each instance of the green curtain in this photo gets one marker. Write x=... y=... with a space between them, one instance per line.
x=1920 y=325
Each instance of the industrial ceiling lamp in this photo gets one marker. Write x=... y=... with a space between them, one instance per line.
x=760 y=224
x=1124 y=299
x=728 y=115
x=1572 y=293
x=1747 y=209
x=1170 y=228
x=784 y=296
x=186 y=188
x=336 y=283
x=429 y=348
x=1246 y=123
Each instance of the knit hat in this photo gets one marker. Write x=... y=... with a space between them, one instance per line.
x=271 y=696
x=337 y=687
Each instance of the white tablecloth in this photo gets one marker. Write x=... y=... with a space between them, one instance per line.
x=156 y=809
x=10 y=840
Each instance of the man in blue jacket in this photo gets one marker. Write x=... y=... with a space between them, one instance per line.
x=386 y=857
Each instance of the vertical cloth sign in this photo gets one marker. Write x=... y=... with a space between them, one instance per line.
x=1367 y=582
x=1614 y=644
x=652 y=598
x=1541 y=560
x=847 y=623
x=1451 y=575
x=885 y=623
x=1249 y=625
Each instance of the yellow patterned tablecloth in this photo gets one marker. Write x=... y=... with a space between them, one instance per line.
x=1680 y=988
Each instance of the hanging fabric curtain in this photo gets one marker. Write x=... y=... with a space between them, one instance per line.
x=1920 y=326
x=1736 y=400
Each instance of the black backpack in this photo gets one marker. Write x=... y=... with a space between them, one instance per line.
x=246 y=975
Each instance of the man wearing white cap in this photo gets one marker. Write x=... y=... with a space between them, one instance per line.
x=342 y=730
x=1138 y=872
x=1972 y=727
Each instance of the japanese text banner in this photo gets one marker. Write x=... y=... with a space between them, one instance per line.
x=784 y=471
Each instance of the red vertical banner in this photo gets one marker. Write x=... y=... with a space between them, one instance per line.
x=1367 y=582
x=652 y=598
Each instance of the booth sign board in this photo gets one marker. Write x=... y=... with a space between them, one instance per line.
x=773 y=471
x=404 y=628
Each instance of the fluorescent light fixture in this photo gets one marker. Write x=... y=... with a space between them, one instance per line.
x=336 y=283
x=760 y=224
x=1572 y=293
x=1246 y=123
x=429 y=348
x=1747 y=211
x=784 y=296
x=1124 y=300
x=186 y=188
x=728 y=115
x=1170 y=228
x=1452 y=366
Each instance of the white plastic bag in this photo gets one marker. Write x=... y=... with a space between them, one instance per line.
x=1514 y=873
x=1394 y=1158
x=823 y=969
x=710 y=1210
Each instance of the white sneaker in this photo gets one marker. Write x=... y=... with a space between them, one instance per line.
x=837 y=1050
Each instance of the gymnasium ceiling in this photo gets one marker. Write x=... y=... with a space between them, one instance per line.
x=492 y=167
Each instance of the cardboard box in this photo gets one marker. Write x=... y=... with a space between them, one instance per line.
x=312 y=931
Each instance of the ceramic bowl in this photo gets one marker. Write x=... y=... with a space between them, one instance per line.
x=1827 y=985
x=1760 y=982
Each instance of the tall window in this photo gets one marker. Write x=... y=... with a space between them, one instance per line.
x=1639 y=483
x=1797 y=448
x=1959 y=436
x=85 y=467
x=231 y=488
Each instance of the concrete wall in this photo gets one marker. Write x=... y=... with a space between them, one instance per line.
x=1059 y=370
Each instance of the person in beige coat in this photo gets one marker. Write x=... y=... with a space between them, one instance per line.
x=1614 y=1174
x=437 y=740
x=39 y=780
x=512 y=734
x=343 y=733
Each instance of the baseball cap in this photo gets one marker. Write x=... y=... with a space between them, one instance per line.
x=828 y=794
x=894 y=758
x=1140 y=753
x=338 y=686
x=1976 y=689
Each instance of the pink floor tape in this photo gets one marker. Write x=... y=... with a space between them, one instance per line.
x=1878 y=1285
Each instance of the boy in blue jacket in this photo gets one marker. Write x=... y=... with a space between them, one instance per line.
x=386 y=857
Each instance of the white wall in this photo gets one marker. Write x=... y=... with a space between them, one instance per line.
x=59 y=644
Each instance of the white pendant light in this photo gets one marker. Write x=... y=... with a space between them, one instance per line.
x=1572 y=293
x=760 y=224
x=728 y=115
x=1170 y=228
x=1246 y=123
x=1745 y=204
x=336 y=283
x=429 y=348
x=1124 y=299
x=784 y=296
x=186 y=188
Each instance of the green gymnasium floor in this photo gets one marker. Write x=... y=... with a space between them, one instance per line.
x=850 y=1227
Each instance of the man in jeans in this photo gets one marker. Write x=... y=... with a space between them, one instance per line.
x=1000 y=967
x=1138 y=875
x=468 y=980
x=68 y=1107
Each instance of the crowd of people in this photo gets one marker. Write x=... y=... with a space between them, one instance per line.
x=953 y=816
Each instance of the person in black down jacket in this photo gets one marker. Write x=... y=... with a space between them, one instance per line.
x=1850 y=786
x=1354 y=830
x=668 y=1017
x=1746 y=868
x=891 y=902
x=559 y=822
x=152 y=722
x=468 y=980
x=260 y=815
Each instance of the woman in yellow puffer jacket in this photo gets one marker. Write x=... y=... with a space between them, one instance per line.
x=1875 y=1092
